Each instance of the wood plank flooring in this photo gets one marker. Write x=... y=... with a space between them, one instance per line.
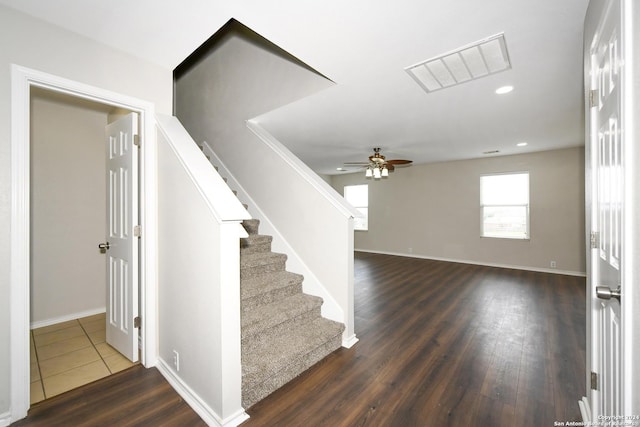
x=134 y=397
x=445 y=344
x=441 y=344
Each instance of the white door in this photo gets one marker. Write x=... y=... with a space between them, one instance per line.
x=613 y=194
x=122 y=244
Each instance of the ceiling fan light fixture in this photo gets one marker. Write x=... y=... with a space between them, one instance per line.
x=378 y=166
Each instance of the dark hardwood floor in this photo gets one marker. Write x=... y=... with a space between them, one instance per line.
x=134 y=397
x=441 y=344
x=444 y=344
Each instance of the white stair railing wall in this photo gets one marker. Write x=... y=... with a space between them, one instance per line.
x=199 y=231
x=322 y=241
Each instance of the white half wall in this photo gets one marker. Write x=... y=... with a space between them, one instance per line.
x=199 y=234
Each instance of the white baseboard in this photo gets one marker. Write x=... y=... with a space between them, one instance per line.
x=205 y=412
x=585 y=410
x=5 y=419
x=350 y=341
x=485 y=264
x=66 y=317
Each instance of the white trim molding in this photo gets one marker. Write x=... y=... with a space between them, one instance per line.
x=22 y=79
x=303 y=170
x=205 y=412
x=484 y=264
x=67 y=317
x=311 y=285
x=585 y=410
x=5 y=419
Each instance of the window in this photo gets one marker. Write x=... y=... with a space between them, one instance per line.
x=504 y=205
x=358 y=197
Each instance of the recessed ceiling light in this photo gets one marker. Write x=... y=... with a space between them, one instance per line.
x=504 y=89
x=340 y=169
x=522 y=144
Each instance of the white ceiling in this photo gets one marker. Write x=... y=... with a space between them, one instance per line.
x=364 y=46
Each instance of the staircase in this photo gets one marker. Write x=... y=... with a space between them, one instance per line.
x=283 y=332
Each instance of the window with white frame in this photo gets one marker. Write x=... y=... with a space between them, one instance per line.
x=358 y=197
x=504 y=205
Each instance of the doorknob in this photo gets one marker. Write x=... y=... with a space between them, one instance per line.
x=605 y=292
x=103 y=247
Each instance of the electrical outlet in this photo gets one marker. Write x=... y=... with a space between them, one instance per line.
x=553 y=264
x=410 y=250
x=176 y=360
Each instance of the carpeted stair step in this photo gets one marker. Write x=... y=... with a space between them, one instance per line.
x=251 y=225
x=252 y=265
x=277 y=361
x=266 y=288
x=255 y=243
x=283 y=332
x=277 y=318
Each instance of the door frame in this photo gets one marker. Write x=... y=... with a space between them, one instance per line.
x=22 y=79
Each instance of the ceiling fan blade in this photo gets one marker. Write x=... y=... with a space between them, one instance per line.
x=390 y=167
x=399 y=162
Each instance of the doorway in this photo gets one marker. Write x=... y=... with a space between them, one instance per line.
x=22 y=81
x=68 y=213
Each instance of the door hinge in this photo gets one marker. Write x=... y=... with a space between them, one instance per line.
x=594 y=381
x=595 y=239
x=137 y=322
x=593 y=98
x=136 y=140
x=137 y=230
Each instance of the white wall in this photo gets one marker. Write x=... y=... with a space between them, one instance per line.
x=199 y=275
x=41 y=46
x=432 y=210
x=68 y=208
x=235 y=82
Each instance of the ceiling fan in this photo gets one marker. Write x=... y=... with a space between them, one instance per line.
x=378 y=166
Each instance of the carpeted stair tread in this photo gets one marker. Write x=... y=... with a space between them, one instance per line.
x=272 y=355
x=277 y=361
x=281 y=314
x=260 y=263
x=265 y=288
x=255 y=243
x=247 y=260
x=251 y=225
x=283 y=331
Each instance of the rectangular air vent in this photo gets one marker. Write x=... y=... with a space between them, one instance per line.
x=479 y=59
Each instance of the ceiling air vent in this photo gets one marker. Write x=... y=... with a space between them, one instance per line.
x=479 y=59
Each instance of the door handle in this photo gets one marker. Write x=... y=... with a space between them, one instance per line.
x=605 y=292
x=104 y=247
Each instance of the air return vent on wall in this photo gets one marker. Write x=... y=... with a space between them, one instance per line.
x=479 y=59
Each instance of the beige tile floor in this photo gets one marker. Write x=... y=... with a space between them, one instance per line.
x=70 y=354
